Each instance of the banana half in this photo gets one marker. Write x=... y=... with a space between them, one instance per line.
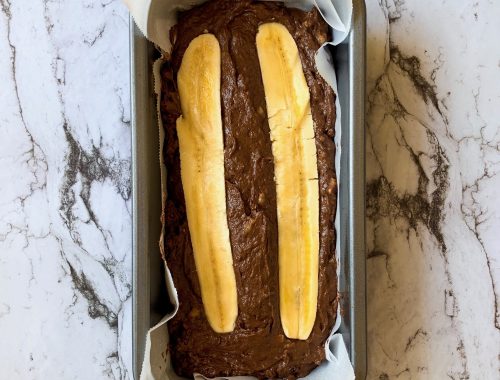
x=201 y=147
x=296 y=175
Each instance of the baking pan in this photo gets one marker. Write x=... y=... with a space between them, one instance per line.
x=349 y=58
x=149 y=295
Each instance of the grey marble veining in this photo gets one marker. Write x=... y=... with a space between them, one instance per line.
x=65 y=219
x=433 y=158
x=433 y=140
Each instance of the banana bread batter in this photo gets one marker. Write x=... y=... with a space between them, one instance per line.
x=258 y=345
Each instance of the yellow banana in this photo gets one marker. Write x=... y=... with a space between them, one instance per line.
x=201 y=149
x=296 y=175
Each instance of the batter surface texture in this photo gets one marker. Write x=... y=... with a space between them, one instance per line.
x=258 y=345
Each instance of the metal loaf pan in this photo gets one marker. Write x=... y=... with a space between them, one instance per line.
x=149 y=295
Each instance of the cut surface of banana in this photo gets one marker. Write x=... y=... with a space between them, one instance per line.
x=201 y=147
x=296 y=175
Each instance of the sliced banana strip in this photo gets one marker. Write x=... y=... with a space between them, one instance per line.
x=296 y=174
x=201 y=149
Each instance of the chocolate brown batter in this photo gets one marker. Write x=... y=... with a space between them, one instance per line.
x=258 y=345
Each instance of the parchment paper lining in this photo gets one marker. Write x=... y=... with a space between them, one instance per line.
x=160 y=16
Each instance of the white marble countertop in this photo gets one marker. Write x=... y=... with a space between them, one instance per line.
x=433 y=159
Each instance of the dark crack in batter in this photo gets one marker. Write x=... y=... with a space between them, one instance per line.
x=258 y=345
